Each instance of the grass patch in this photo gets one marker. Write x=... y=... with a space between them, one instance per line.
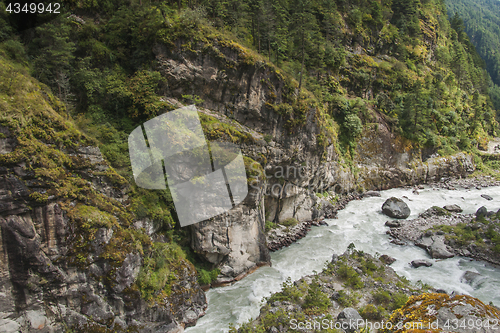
x=158 y=272
x=206 y=277
x=350 y=276
x=316 y=300
x=289 y=222
x=348 y=299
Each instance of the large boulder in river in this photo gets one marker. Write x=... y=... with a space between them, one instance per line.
x=396 y=208
x=469 y=277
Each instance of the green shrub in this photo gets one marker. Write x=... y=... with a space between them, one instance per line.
x=15 y=50
x=391 y=302
x=347 y=299
x=206 y=277
x=158 y=271
x=289 y=222
x=382 y=297
x=269 y=225
x=316 y=299
x=398 y=301
x=372 y=312
x=495 y=238
x=289 y=292
x=350 y=276
x=368 y=266
x=192 y=99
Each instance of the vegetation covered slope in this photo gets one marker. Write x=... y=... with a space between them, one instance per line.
x=400 y=59
x=481 y=20
x=356 y=280
x=351 y=60
x=48 y=165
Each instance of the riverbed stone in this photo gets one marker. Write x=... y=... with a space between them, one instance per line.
x=421 y=262
x=371 y=194
x=435 y=246
x=393 y=224
x=395 y=207
x=487 y=197
x=453 y=208
x=470 y=276
x=387 y=259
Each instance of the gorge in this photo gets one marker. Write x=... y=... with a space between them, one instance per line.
x=374 y=96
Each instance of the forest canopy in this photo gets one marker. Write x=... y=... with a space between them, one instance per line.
x=480 y=19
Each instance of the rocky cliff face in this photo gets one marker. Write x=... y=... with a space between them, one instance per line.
x=244 y=90
x=71 y=251
x=47 y=287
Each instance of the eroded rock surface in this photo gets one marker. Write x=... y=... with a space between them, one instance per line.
x=295 y=166
x=444 y=235
x=49 y=285
x=395 y=207
x=459 y=313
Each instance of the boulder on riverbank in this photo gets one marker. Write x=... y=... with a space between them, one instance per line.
x=396 y=208
x=482 y=211
x=434 y=211
x=347 y=317
x=393 y=224
x=453 y=208
x=388 y=260
x=435 y=246
x=371 y=194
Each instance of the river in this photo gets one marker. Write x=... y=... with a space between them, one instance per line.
x=361 y=223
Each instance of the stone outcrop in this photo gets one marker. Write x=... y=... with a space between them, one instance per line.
x=49 y=286
x=347 y=317
x=52 y=271
x=234 y=240
x=459 y=313
x=246 y=92
x=395 y=207
x=435 y=245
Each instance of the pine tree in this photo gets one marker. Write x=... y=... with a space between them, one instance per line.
x=52 y=52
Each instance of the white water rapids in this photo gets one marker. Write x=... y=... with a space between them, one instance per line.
x=361 y=223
